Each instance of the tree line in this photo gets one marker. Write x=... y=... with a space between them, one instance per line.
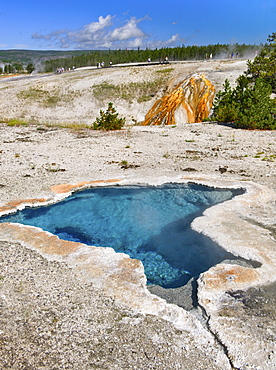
x=138 y=55
x=17 y=68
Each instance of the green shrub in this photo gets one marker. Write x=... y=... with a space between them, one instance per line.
x=109 y=120
x=16 y=122
x=249 y=105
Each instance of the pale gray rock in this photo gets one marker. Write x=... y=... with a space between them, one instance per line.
x=51 y=319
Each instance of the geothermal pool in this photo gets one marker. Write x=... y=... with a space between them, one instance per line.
x=150 y=223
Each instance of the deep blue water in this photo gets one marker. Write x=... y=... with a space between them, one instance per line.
x=151 y=223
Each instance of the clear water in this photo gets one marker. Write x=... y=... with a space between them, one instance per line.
x=151 y=223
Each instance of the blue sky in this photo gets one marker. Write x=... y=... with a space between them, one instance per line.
x=103 y=24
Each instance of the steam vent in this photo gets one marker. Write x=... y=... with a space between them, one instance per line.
x=189 y=102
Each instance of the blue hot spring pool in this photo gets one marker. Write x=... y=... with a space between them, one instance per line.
x=151 y=223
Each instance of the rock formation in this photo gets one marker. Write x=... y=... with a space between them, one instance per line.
x=190 y=101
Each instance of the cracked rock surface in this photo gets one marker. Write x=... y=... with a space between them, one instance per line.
x=251 y=315
x=50 y=319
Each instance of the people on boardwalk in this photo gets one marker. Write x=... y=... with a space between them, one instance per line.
x=67 y=69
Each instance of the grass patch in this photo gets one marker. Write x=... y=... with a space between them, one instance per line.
x=124 y=162
x=142 y=91
x=104 y=91
x=144 y=98
x=165 y=70
x=73 y=126
x=47 y=98
x=270 y=158
x=32 y=93
x=17 y=122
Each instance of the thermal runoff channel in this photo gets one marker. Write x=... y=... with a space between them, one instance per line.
x=150 y=223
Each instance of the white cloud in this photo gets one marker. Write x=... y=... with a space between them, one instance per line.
x=21 y=46
x=89 y=36
x=101 y=35
x=173 y=39
x=50 y=36
x=91 y=33
x=128 y=31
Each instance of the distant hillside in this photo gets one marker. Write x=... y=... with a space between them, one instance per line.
x=35 y=56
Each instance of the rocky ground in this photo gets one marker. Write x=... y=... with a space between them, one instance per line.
x=77 y=97
x=51 y=318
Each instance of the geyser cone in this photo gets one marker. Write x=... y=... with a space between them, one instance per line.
x=189 y=102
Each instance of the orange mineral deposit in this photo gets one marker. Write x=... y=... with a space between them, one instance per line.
x=189 y=102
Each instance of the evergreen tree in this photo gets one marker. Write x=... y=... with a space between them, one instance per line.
x=225 y=108
x=256 y=108
x=30 y=68
x=264 y=64
x=17 y=67
x=248 y=105
x=109 y=120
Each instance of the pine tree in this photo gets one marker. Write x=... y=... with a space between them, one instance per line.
x=30 y=68
x=256 y=109
x=225 y=108
x=264 y=64
x=248 y=105
x=108 y=120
